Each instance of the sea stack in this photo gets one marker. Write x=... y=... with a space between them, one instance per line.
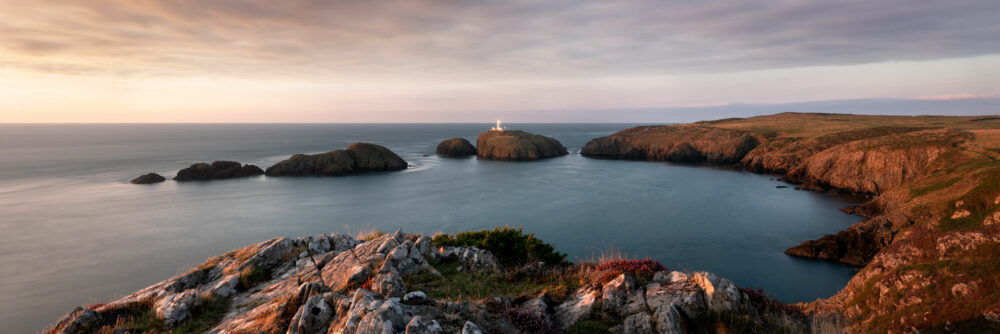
x=357 y=158
x=516 y=145
x=217 y=170
x=456 y=147
x=148 y=179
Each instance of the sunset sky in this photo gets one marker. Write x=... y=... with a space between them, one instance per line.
x=471 y=61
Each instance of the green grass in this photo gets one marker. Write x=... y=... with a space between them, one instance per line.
x=979 y=201
x=463 y=286
x=917 y=192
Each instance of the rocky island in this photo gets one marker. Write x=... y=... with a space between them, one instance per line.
x=933 y=208
x=148 y=178
x=456 y=147
x=516 y=145
x=490 y=281
x=217 y=170
x=357 y=158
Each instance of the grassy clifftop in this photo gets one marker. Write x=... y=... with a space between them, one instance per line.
x=933 y=234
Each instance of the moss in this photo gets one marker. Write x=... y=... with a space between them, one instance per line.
x=511 y=246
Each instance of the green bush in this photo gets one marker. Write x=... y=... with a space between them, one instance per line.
x=510 y=245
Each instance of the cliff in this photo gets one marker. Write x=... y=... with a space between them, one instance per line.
x=396 y=283
x=678 y=143
x=933 y=209
x=517 y=145
x=357 y=158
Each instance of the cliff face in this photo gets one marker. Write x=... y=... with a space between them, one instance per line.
x=517 y=145
x=678 y=143
x=933 y=217
x=357 y=158
x=337 y=284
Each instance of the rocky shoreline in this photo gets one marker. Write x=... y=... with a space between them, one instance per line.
x=334 y=283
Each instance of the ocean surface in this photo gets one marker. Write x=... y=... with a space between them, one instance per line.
x=73 y=231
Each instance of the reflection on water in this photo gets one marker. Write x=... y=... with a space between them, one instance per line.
x=74 y=232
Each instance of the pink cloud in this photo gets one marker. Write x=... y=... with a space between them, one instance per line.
x=960 y=96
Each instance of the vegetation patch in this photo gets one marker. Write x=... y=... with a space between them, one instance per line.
x=511 y=246
x=251 y=276
x=525 y=320
x=466 y=286
x=917 y=192
x=140 y=318
x=588 y=327
x=980 y=201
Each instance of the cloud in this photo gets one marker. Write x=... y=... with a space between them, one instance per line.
x=439 y=41
x=961 y=96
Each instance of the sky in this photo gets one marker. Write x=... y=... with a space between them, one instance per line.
x=476 y=61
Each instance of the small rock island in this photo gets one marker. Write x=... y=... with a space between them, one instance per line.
x=456 y=147
x=516 y=145
x=217 y=170
x=357 y=158
x=149 y=178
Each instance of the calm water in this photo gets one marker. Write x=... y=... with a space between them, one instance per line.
x=73 y=231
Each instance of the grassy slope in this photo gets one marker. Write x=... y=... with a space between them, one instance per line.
x=917 y=277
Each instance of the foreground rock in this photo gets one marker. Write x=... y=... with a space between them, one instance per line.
x=357 y=158
x=336 y=284
x=217 y=170
x=148 y=179
x=456 y=147
x=517 y=145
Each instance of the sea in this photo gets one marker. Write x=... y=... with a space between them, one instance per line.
x=73 y=231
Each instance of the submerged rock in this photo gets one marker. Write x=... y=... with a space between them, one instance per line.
x=517 y=145
x=148 y=179
x=456 y=147
x=217 y=170
x=357 y=158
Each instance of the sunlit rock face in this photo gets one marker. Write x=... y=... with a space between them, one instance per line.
x=516 y=145
x=357 y=158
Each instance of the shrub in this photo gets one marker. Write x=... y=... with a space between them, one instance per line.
x=510 y=245
x=642 y=267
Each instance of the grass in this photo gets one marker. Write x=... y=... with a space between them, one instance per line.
x=370 y=235
x=979 y=201
x=468 y=286
x=140 y=318
x=251 y=276
x=917 y=192
x=511 y=246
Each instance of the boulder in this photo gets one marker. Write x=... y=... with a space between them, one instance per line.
x=576 y=308
x=176 y=307
x=517 y=145
x=456 y=147
x=217 y=170
x=471 y=328
x=357 y=158
x=422 y=325
x=312 y=317
x=148 y=179
x=720 y=293
x=472 y=258
x=77 y=321
x=415 y=298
